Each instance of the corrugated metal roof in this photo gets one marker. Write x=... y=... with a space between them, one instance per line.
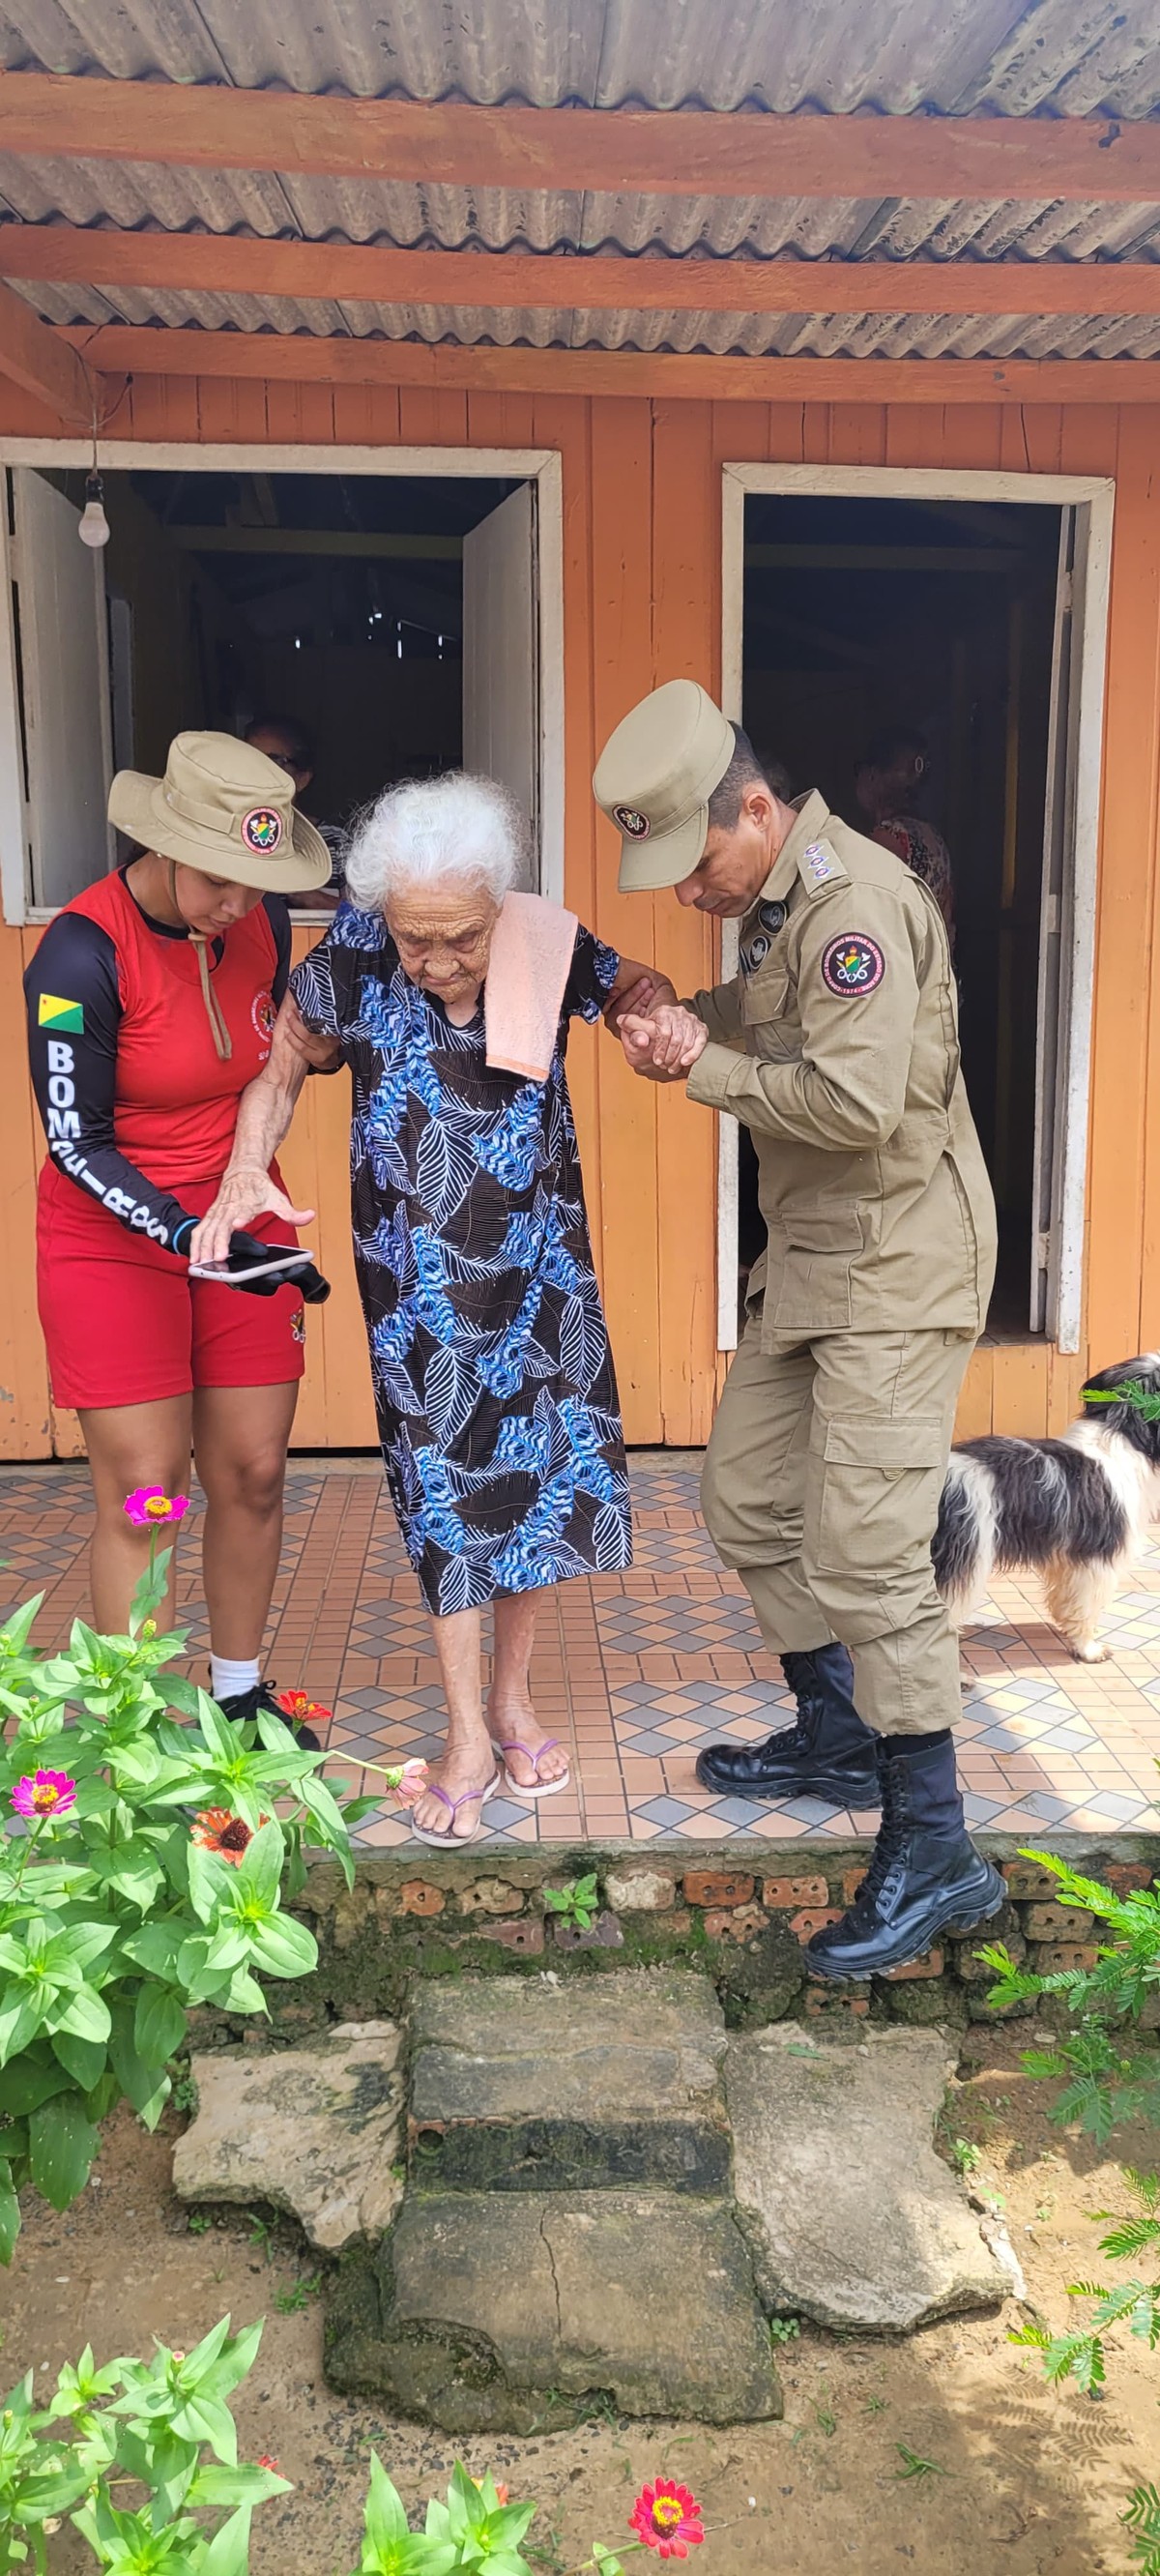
x=826 y=335
x=1012 y=57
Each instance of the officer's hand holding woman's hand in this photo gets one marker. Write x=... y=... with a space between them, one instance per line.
x=667 y=1043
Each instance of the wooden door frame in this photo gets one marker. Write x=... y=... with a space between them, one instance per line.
x=1093 y=497
x=541 y=465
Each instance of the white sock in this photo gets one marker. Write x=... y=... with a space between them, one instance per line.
x=228 y=1680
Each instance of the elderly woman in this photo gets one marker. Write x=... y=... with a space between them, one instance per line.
x=494 y=1386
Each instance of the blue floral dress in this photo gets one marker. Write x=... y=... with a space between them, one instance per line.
x=494 y=1386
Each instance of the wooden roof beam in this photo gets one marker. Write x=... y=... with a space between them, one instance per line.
x=688 y=153
x=240 y=264
x=300 y=358
x=40 y=360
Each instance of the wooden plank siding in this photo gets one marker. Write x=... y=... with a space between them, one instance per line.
x=641 y=521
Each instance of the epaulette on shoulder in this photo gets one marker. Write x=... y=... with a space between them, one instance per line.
x=819 y=866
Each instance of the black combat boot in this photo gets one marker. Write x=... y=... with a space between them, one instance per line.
x=925 y=1875
x=243 y=1705
x=828 y=1753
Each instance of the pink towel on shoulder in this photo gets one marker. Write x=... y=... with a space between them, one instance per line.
x=531 y=955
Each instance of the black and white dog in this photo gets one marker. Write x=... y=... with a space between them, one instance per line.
x=1077 y=1509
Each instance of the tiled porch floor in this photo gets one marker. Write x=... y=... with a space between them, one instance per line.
x=635 y=1672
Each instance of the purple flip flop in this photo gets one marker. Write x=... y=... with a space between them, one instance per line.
x=451 y=1841
x=537 y=1788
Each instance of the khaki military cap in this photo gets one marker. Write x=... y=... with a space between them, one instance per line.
x=654 y=779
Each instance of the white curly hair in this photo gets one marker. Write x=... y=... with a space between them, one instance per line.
x=431 y=830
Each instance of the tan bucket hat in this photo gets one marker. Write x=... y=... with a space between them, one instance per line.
x=224 y=808
x=654 y=779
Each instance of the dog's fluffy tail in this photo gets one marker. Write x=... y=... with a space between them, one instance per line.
x=963 y=1546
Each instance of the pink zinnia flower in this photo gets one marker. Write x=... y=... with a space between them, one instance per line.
x=407 y=1780
x=48 y=1793
x=667 y=2518
x=149 y=1508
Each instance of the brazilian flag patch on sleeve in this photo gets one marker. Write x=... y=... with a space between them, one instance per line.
x=54 y=1012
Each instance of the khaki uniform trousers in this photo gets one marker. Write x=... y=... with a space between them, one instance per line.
x=821 y=1486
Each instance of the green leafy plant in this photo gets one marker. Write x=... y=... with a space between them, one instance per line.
x=157 y=2435
x=965 y=2156
x=148 y=1877
x=1142 y=2516
x=291 y=2302
x=577 y=1903
x=1104 y=2081
x=1079 y=2354
x=914 y=2466
x=476 y=2527
x=784 y=2329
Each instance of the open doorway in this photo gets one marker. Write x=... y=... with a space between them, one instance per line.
x=400 y=623
x=961 y=622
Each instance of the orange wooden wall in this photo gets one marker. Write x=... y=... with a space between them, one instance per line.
x=642 y=498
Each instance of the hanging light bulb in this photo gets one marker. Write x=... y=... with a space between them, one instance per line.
x=94 y=527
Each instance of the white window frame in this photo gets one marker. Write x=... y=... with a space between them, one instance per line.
x=1093 y=497
x=539 y=465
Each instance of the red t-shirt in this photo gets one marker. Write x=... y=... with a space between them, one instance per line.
x=136 y=1101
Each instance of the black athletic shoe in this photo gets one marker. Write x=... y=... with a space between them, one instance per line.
x=925 y=1875
x=244 y=1705
x=827 y=1753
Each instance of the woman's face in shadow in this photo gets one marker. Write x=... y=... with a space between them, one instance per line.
x=443 y=936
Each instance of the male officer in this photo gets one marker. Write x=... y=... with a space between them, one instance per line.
x=837 y=1046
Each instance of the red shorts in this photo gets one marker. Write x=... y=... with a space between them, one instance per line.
x=124 y=1322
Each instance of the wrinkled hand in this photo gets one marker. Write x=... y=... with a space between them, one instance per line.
x=640 y=999
x=669 y=1040
x=243 y=1195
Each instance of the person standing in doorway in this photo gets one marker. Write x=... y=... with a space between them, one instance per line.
x=837 y=1046
x=888 y=782
x=287 y=742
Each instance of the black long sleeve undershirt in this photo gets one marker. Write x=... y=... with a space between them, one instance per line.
x=74 y=1069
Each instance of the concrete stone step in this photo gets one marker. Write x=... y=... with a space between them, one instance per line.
x=853 y=2219
x=605 y=2082
x=517 y=2313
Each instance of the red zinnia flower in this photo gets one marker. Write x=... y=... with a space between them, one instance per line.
x=301 y=1709
x=229 y=1836
x=667 y=2518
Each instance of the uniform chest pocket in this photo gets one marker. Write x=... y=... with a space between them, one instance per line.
x=817 y=1248
x=769 y=1015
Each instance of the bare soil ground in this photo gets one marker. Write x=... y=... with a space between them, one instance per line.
x=1013 y=2478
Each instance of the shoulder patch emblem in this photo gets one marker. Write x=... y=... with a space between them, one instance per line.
x=755 y=955
x=54 y=1011
x=771 y=915
x=852 y=965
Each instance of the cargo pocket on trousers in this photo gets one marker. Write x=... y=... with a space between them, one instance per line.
x=882 y=1481
x=813 y=1257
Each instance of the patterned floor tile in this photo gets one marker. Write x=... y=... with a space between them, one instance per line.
x=634 y=1672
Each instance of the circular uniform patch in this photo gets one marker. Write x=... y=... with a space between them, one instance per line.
x=771 y=915
x=263 y=1015
x=636 y=825
x=852 y=965
x=755 y=955
x=262 y=830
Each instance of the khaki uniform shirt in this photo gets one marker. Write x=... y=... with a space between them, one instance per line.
x=838 y=1047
